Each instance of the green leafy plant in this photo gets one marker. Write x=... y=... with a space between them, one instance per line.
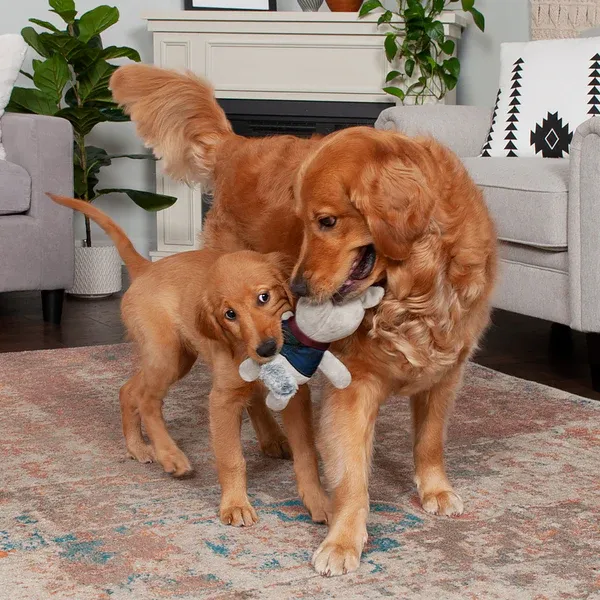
x=71 y=81
x=416 y=46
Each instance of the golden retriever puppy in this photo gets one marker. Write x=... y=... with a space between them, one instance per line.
x=354 y=208
x=225 y=307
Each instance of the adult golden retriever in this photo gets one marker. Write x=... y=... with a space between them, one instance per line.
x=355 y=208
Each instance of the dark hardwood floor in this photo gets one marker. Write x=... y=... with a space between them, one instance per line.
x=517 y=345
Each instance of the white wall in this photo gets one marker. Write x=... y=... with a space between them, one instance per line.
x=507 y=20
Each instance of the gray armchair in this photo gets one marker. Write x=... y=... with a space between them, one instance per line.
x=36 y=235
x=547 y=212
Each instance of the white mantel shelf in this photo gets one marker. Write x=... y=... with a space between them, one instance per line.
x=309 y=56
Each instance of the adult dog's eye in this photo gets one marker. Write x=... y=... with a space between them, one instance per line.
x=264 y=298
x=327 y=222
x=230 y=314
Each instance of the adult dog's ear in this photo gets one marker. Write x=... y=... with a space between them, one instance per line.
x=283 y=265
x=397 y=203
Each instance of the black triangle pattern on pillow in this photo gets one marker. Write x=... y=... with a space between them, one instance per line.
x=485 y=151
x=551 y=138
x=514 y=108
x=594 y=86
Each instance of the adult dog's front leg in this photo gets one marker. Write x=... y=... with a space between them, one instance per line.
x=430 y=412
x=346 y=442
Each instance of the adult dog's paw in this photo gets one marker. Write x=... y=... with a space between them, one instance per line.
x=277 y=448
x=143 y=453
x=240 y=514
x=331 y=559
x=445 y=503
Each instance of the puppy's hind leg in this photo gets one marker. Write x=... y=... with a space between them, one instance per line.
x=271 y=439
x=137 y=448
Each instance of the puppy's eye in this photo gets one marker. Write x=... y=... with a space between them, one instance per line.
x=327 y=222
x=230 y=314
x=264 y=298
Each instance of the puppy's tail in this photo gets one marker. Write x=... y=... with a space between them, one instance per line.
x=136 y=264
x=176 y=115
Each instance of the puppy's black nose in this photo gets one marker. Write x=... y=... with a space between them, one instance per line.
x=299 y=286
x=267 y=347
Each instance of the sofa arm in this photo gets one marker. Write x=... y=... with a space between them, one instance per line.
x=463 y=129
x=43 y=146
x=584 y=227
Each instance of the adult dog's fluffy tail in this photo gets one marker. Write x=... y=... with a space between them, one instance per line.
x=176 y=115
x=136 y=264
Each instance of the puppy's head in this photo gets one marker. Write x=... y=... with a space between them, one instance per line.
x=246 y=296
x=364 y=198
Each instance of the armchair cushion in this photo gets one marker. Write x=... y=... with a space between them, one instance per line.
x=527 y=198
x=15 y=189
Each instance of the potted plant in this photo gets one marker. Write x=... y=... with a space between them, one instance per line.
x=423 y=61
x=71 y=81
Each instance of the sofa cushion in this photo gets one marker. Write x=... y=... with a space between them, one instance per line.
x=527 y=198
x=15 y=189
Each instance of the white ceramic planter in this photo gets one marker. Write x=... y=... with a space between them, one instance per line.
x=97 y=272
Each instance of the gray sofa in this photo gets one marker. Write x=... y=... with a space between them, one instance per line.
x=36 y=235
x=547 y=212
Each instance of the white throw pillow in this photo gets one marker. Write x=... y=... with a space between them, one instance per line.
x=12 y=53
x=547 y=89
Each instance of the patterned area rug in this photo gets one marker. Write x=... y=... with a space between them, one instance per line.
x=79 y=520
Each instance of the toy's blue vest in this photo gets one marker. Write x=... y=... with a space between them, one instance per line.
x=301 y=352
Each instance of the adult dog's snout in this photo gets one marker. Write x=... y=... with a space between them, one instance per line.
x=299 y=286
x=267 y=348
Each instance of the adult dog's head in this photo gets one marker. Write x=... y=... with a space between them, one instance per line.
x=364 y=197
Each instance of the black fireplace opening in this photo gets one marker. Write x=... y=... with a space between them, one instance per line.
x=303 y=118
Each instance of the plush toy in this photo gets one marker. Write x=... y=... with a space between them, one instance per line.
x=306 y=339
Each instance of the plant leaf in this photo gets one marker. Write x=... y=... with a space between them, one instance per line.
x=452 y=65
x=448 y=47
x=449 y=80
x=409 y=66
x=392 y=75
x=84 y=57
x=386 y=17
x=32 y=37
x=478 y=18
x=439 y=5
x=391 y=47
x=51 y=76
x=61 y=43
x=467 y=5
x=146 y=200
x=369 y=6
x=435 y=31
x=65 y=9
x=114 y=114
x=96 y=21
x=33 y=101
x=93 y=83
x=135 y=156
x=394 y=91
x=28 y=75
x=45 y=25
x=82 y=119
x=122 y=52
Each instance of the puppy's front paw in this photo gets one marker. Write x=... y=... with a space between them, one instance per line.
x=238 y=514
x=175 y=462
x=331 y=558
x=445 y=503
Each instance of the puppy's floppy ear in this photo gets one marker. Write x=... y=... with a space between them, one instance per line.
x=207 y=323
x=397 y=204
x=284 y=265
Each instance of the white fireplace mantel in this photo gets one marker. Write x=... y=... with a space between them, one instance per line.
x=267 y=55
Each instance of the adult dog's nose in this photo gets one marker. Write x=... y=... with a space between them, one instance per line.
x=299 y=286
x=267 y=348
